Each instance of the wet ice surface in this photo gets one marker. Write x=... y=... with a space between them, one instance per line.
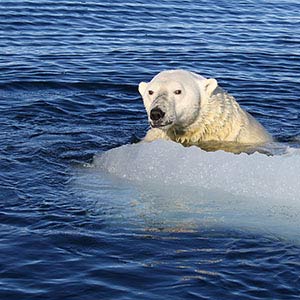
x=192 y=187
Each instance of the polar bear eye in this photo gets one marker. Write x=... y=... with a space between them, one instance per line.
x=177 y=92
x=150 y=92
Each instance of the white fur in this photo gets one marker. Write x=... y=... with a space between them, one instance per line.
x=201 y=112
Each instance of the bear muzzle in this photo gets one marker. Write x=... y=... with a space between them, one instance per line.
x=156 y=114
x=157 y=118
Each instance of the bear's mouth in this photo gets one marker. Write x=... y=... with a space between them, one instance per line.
x=160 y=125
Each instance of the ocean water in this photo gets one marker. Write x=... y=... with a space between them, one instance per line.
x=85 y=212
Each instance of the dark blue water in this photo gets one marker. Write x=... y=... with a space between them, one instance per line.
x=69 y=72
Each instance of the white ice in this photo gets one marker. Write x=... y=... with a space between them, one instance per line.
x=190 y=185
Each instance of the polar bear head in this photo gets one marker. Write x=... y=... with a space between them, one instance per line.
x=174 y=98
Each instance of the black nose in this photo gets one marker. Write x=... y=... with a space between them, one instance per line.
x=156 y=114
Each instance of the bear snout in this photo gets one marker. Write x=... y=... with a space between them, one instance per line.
x=156 y=114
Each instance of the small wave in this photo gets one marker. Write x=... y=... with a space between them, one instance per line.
x=82 y=85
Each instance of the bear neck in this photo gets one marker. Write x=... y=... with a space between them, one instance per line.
x=217 y=114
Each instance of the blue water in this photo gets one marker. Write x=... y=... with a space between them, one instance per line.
x=69 y=72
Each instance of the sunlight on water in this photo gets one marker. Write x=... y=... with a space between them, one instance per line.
x=153 y=221
x=187 y=187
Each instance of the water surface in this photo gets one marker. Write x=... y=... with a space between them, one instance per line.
x=68 y=91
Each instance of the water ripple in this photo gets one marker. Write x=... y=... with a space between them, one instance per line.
x=69 y=72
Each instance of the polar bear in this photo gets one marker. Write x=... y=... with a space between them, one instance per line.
x=187 y=108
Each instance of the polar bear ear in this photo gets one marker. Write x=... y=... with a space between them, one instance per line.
x=142 y=87
x=210 y=85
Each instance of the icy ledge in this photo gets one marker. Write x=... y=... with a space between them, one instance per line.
x=170 y=164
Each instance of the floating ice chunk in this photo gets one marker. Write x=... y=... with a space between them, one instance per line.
x=170 y=164
x=165 y=185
